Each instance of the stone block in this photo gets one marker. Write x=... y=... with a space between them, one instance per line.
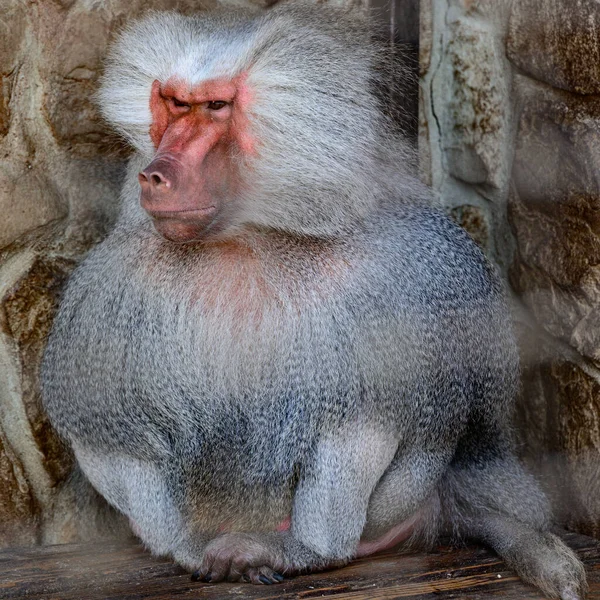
x=12 y=34
x=555 y=212
x=578 y=419
x=29 y=309
x=425 y=35
x=18 y=513
x=474 y=116
x=73 y=43
x=496 y=11
x=473 y=220
x=557 y=42
x=28 y=200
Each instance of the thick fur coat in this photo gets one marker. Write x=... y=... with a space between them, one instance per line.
x=336 y=364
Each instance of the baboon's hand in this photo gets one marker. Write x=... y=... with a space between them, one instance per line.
x=262 y=558
x=238 y=556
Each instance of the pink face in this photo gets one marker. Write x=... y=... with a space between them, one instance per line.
x=195 y=132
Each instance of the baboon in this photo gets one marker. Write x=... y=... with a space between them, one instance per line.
x=283 y=356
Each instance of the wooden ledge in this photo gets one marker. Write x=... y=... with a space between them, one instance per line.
x=106 y=571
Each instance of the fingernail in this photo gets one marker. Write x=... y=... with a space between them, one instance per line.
x=264 y=580
x=196 y=576
x=278 y=577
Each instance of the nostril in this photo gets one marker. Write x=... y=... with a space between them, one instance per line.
x=157 y=179
x=153 y=178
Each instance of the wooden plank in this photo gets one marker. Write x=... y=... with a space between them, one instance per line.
x=118 y=572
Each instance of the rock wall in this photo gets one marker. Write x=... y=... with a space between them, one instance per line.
x=509 y=138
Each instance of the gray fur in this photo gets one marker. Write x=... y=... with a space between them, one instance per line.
x=342 y=353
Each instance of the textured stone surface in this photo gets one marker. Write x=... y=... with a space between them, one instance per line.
x=29 y=309
x=557 y=41
x=18 y=513
x=72 y=45
x=425 y=49
x=555 y=212
x=475 y=115
x=425 y=35
x=425 y=165
x=554 y=209
x=474 y=221
x=12 y=27
x=496 y=12
x=28 y=199
x=466 y=113
x=578 y=417
x=467 y=83
x=560 y=435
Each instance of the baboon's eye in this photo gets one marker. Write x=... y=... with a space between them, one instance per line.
x=180 y=104
x=216 y=104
